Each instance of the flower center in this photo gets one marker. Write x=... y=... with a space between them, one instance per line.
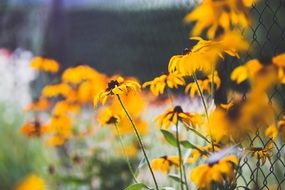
x=177 y=109
x=211 y=164
x=112 y=84
x=112 y=120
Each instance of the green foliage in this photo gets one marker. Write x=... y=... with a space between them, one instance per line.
x=169 y=137
x=19 y=156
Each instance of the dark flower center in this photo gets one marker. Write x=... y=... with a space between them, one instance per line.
x=112 y=84
x=112 y=120
x=211 y=164
x=177 y=109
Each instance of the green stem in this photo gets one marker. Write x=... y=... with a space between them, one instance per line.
x=196 y=132
x=180 y=157
x=201 y=95
x=181 y=165
x=139 y=139
x=125 y=153
x=204 y=104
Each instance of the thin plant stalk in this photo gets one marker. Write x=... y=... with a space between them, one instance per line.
x=196 y=132
x=139 y=139
x=201 y=95
x=204 y=104
x=125 y=153
x=212 y=82
x=181 y=166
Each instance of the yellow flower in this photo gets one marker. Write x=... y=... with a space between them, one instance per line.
x=192 y=87
x=107 y=117
x=261 y=154
x=247 y=71
x=56 y=140
x=60 y=126
x=202 y=152
x=40 y=104
x=218 y=172
x=64 y=107
x=222 y=14
x=172 y=80
x=32 y=182
x=172 y=116
x=33 y=129
x=227 y=106
x=164 y=163
x=271 y=132
x=125 y=127
x=130 y=150
x=279 y=61
x=206 y=53
x=134 y=102
x=45 y=64
x=76 y=75
x=116 y=87
x=61 y=89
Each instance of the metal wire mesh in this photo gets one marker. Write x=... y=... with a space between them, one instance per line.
x=267 y=34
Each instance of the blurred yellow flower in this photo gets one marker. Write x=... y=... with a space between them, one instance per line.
x=261 y=154
x=224 y=14
x=134 y=102
x=125 y=127
x=279 y=61
x=32 y=182
x=158 y=84
x=45 y=64
x=221 y=171
x=60 y=127
x=61 y=89
x=246 y=71
x=33 y=129
x=56 y=140
x=271 y=132
x=164 y=163
x=76 y=75
x=40 y=104
x=107 y=117
x=206 y=53
x=202 y=152
x=192 y=87
x=130 y=150
x=172 y=116
x=116 y=87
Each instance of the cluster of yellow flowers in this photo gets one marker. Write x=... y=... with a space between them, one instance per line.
x=120 y=102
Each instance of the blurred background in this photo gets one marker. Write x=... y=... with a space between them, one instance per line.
x=131 y=37
x=115 y=35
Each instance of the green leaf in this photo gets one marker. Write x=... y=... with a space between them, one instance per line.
x=187 y=144
x=175 y=177
x=169 y=137
x=137 y=186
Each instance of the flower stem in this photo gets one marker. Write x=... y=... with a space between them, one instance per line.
x=180 y=160
x=205 y=106
x=201 y=95
x=139 y=139
x=125 y=153
x=212 y=82
x=196 y=132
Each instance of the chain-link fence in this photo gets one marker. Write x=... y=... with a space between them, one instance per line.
x=267 y=39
